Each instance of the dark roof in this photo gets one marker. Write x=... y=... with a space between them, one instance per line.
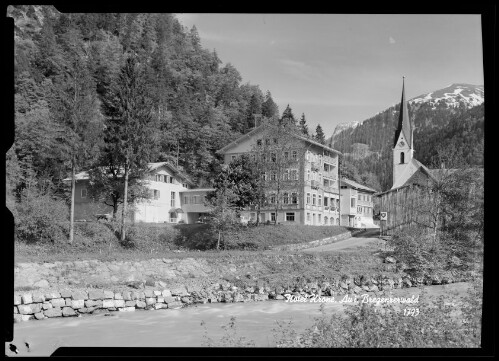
x=404 y=124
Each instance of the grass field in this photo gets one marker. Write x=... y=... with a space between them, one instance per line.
x=96 y=240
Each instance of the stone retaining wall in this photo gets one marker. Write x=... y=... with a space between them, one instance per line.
x=316 y=243
x=38 y=305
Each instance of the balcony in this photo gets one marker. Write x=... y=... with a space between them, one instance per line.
x=314 y=184
x=331 y=189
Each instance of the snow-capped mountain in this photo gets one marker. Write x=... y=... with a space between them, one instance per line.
x=452 y=96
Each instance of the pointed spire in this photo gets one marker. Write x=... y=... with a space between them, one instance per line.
x=404 y=123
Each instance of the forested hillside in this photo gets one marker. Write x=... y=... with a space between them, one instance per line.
x=439 y=128
x=198 y=103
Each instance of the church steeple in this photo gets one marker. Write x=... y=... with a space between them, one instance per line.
x=404 y=123
x=403 y=148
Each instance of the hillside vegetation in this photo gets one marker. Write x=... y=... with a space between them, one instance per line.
x=439 y=130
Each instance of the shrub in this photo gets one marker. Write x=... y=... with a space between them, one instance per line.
x=367 y=326
x=93 y=233
x=41 y=218
x=150 y=238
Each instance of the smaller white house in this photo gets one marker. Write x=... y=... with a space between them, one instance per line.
x=172 y=198
x=356 y=205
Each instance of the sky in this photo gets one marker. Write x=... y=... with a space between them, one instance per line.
x=340 y=68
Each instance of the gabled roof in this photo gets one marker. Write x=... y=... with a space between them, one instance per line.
x=262 y=127
x=356 y=185
x=174 y=170
x=151 y=166
x=422 y=170
x=404 y=123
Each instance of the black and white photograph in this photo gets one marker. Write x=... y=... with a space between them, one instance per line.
x=245 y=181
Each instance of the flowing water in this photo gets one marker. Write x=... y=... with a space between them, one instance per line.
x=180 y=327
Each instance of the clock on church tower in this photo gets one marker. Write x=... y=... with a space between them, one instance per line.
x=401 y=143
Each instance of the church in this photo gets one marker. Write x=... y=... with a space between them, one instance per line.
x=402 y=203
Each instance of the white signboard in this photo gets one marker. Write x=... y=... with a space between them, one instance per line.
x=383 y=216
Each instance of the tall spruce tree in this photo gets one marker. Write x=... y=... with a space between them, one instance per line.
x=77 y=109
x=288 y=118
x=135 y=128
x=303 y=125
x=269 y=107
x=319 y=135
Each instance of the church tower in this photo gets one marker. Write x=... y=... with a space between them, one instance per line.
x=403 y=147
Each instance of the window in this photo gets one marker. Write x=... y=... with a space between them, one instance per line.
x=286 y=155
x=155 y=194
x=273 y=176
x=83 y=193
x=294 y=174
x=294 y=155
x=308 y=217
x=337 y=221
x=186 y=200
x=172 y=202
x=320 y=201
x=325 y=220
x=285 y=176
x=272 y=199
x=294 y=198
x=259 y=142
x=184 y=185
x=273 y=157
x=285 y=198
x=272 y=217
x=308 y=198
x=267 y=141
x=325 y=201
x=233 y=157
x=314 y=196
x=359 y=196
x=275 y=140
x=158 y=178
x=402 y=155
x=319 y=218
x=308 y=174
x=352 y=202
x=171 y=179
x=290 y=217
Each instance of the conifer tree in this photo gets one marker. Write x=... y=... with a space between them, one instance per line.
x=135 y=135
x=269 y=107
x=288 y=118
x=319 y=135
x=303 y=125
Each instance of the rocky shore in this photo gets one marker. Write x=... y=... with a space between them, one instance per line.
x=41 y=304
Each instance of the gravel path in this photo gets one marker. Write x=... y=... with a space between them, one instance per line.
x=346 y=244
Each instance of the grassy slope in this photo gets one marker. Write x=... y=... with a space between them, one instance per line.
x=97 y=241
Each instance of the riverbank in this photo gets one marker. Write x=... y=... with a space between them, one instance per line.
x=69 y=289
x=189 y=327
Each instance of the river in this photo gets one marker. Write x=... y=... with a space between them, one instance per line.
x=180 y=327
